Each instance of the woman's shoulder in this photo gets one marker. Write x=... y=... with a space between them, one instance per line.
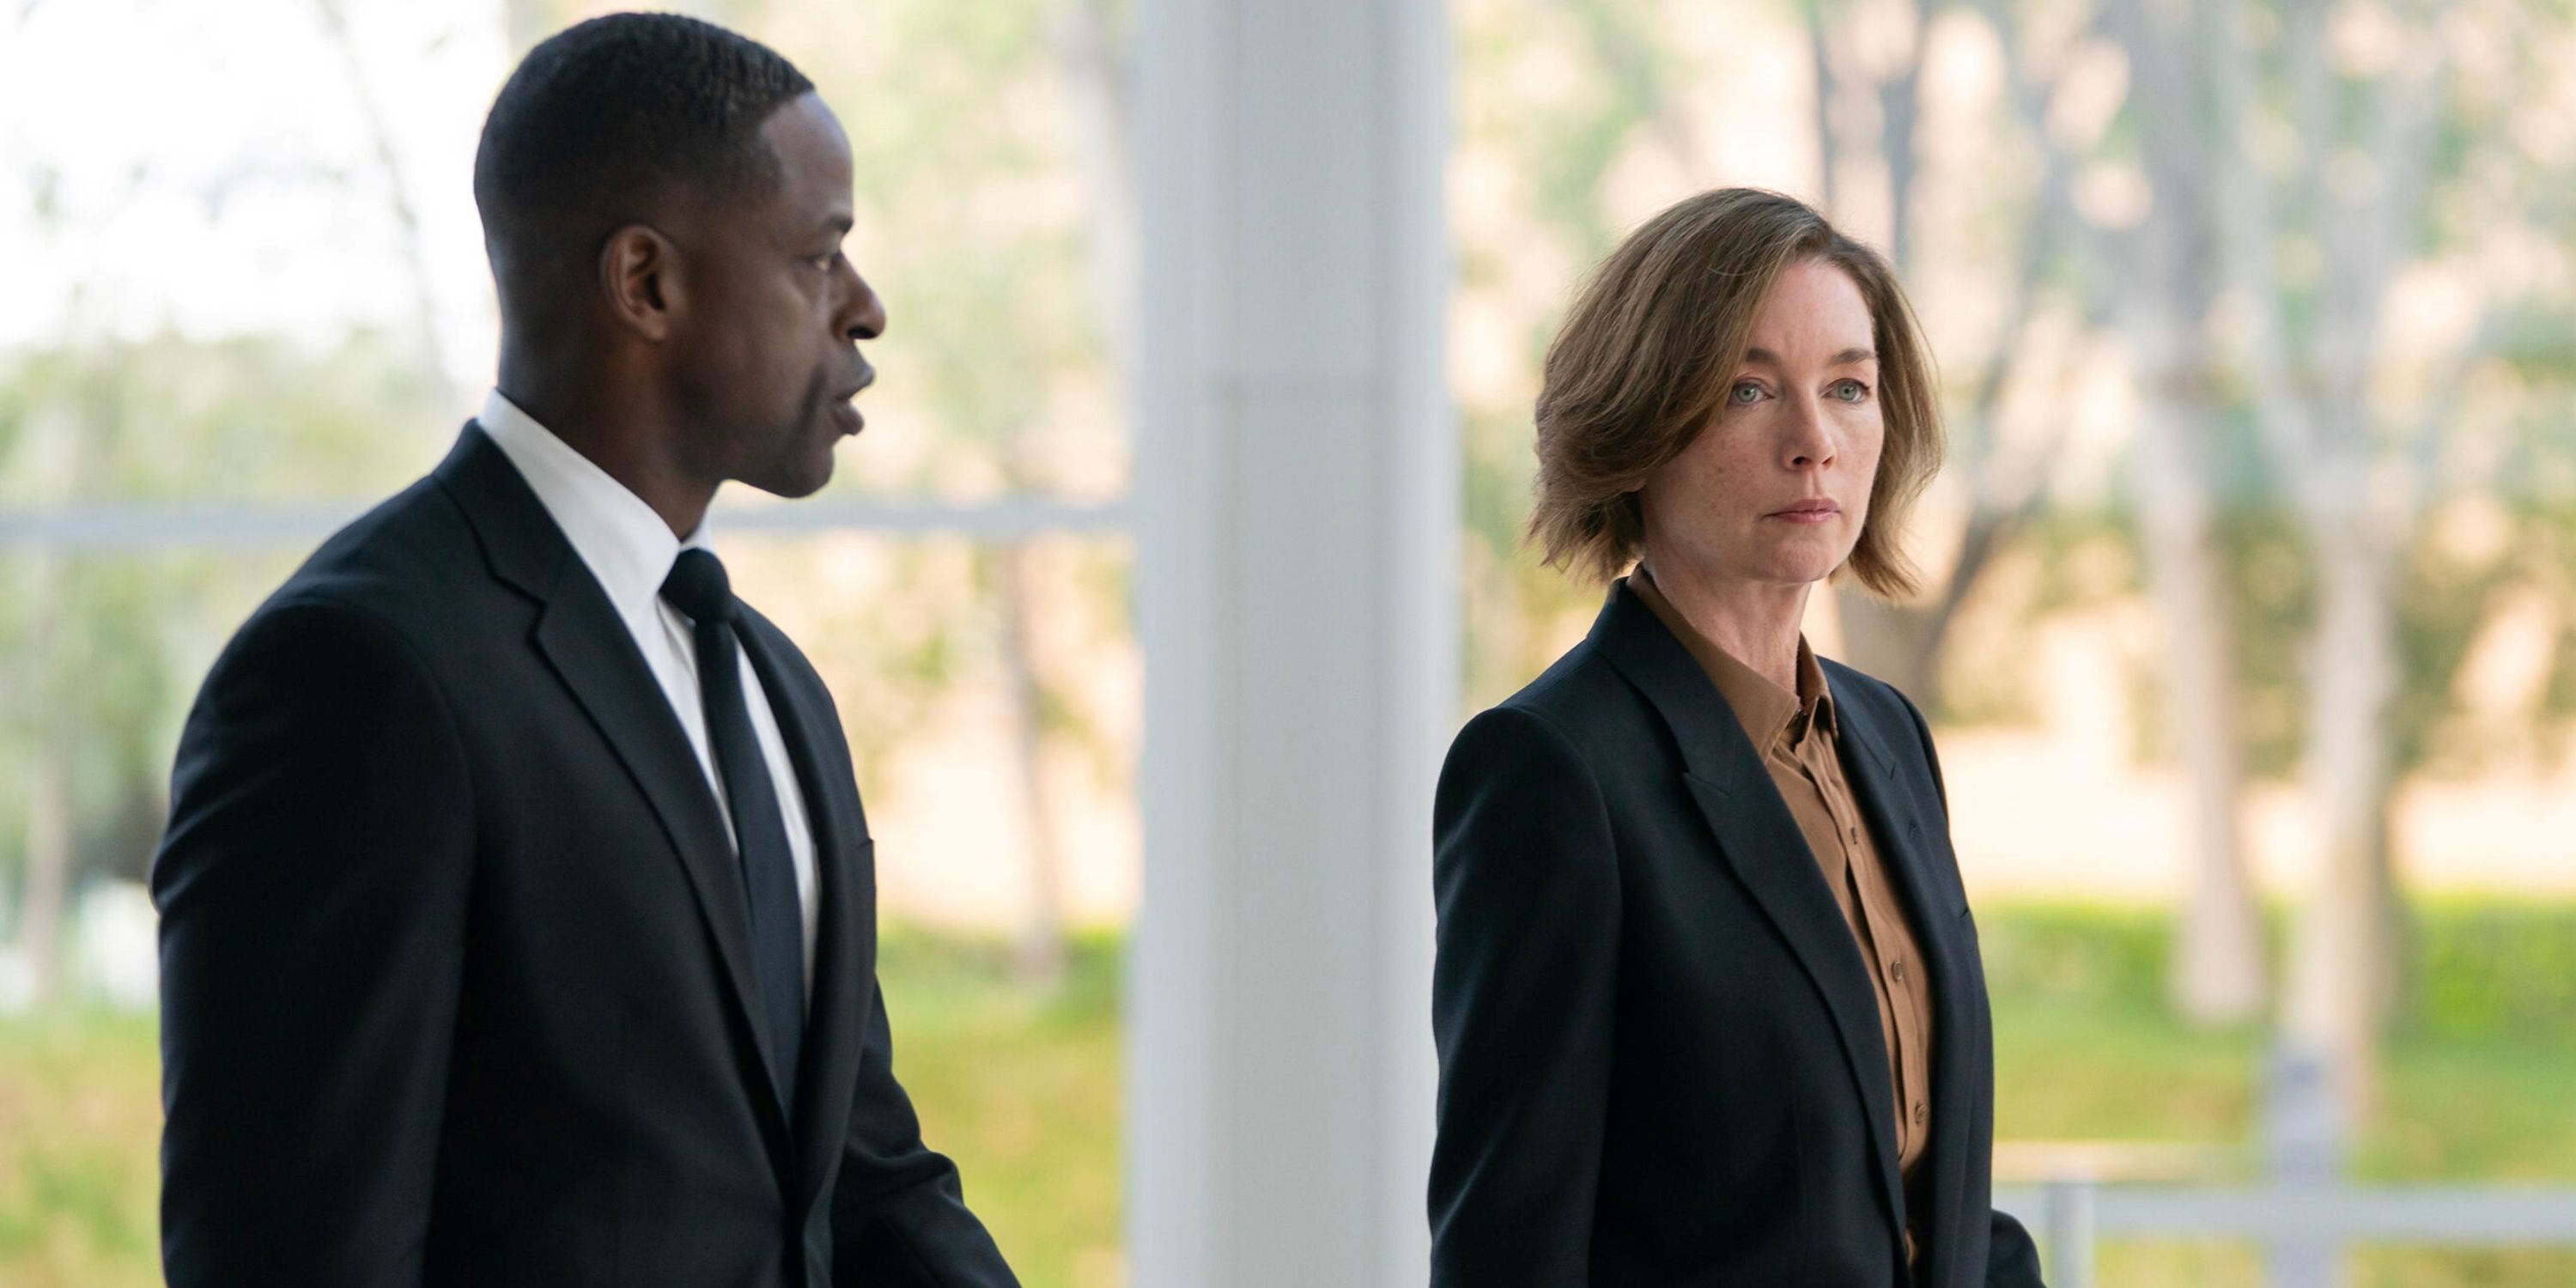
x=1888 y=719
x=1852 y=687
x=1579 y=707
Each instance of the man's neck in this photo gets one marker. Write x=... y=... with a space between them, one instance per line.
x=620 y=442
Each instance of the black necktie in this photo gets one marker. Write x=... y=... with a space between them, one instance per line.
x=697 y=587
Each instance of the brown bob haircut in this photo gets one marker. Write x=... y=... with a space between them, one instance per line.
x=1645 y=357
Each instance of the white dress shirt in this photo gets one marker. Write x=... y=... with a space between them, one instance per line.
x=630 y=550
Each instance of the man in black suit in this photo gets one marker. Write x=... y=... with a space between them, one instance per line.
x=518 y=915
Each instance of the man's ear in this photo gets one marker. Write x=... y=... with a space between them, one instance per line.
x=639 y=273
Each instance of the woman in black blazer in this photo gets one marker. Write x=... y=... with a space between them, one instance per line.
x=1708 y=998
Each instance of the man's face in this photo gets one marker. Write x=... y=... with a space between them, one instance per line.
x=766 y=352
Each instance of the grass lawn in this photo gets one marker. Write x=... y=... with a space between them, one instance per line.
x=1024 y=1092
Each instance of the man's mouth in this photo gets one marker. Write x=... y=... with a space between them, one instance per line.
x=844 y=414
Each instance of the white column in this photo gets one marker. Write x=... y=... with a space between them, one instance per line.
x=1297 y=559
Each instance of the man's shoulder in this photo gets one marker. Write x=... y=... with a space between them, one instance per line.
x=775 y=641
x=411 y=564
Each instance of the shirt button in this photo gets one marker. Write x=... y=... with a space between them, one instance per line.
x=1898 y=970
x=1855 y=834
x=1922 y=1112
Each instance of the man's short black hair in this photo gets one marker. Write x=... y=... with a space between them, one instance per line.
x=609 y=117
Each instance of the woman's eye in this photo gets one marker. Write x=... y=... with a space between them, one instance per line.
x=1745 y=393
x=1850 y=391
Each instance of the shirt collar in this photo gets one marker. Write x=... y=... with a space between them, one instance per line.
x=1768 y=712
x=625 y=544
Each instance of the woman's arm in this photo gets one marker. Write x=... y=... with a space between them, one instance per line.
x=2012 y=1261
x=1528 y=894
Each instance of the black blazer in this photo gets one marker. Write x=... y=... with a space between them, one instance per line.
x=454 y=953
x=1660 y=1058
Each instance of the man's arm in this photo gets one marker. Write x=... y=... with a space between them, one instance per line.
x=312 y=895
x=1528 y=943
x=899 y=1219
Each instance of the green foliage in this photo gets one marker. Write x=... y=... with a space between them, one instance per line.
x=103 y=648
x=1623 y=79
x=972 y=228
x=2489 y=969
x=80 y=1121
x=247 y=418
x=954 y=114
x=1022 y=1088
x=2076 y=954
x=2268 y=573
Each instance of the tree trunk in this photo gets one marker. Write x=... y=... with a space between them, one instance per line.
x=2217 y=974
x=2342 y=958
x=1821 y=66
x=47 y=888
x=430 y=348
x=1093 y=50
x=1038 y=954
x=2169 y=288
x=1898 y=643
x=1900 y=106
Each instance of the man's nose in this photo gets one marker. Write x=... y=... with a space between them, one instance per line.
x=864 y=316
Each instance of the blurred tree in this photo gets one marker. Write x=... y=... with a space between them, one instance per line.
x=1597 y=79
x=2370 y=126
x=2125 y=101
x=1006 y=305
x=2059 y=273
x=397 y=194
x=2156 y=281
x=2295 y=162
x=104 y=645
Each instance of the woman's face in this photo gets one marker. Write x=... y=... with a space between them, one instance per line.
x=1776 y=489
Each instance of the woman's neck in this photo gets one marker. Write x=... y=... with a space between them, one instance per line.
x=1756 y=623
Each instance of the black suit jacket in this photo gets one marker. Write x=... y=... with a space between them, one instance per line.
x=455 y=960
x=1660 y=1056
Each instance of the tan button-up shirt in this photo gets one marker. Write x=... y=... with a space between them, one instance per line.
x=1796 y=735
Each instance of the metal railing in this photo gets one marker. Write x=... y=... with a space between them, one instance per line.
x=148 y=526
x=2301 y=1228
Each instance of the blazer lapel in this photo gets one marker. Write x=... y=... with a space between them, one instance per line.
x=1761 y=842
x=1874 y=734
x=591 y=652
x=845 y=927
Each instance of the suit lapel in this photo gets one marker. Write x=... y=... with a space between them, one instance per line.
x=585 y=642
x=1761 y=843
x=845 y=928
x=1874 y=733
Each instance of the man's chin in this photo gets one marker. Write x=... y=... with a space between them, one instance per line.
x=796 y=482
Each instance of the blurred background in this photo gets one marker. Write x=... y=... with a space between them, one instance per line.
x=2250 y=628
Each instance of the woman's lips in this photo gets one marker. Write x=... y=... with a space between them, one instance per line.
x=1808 y=512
